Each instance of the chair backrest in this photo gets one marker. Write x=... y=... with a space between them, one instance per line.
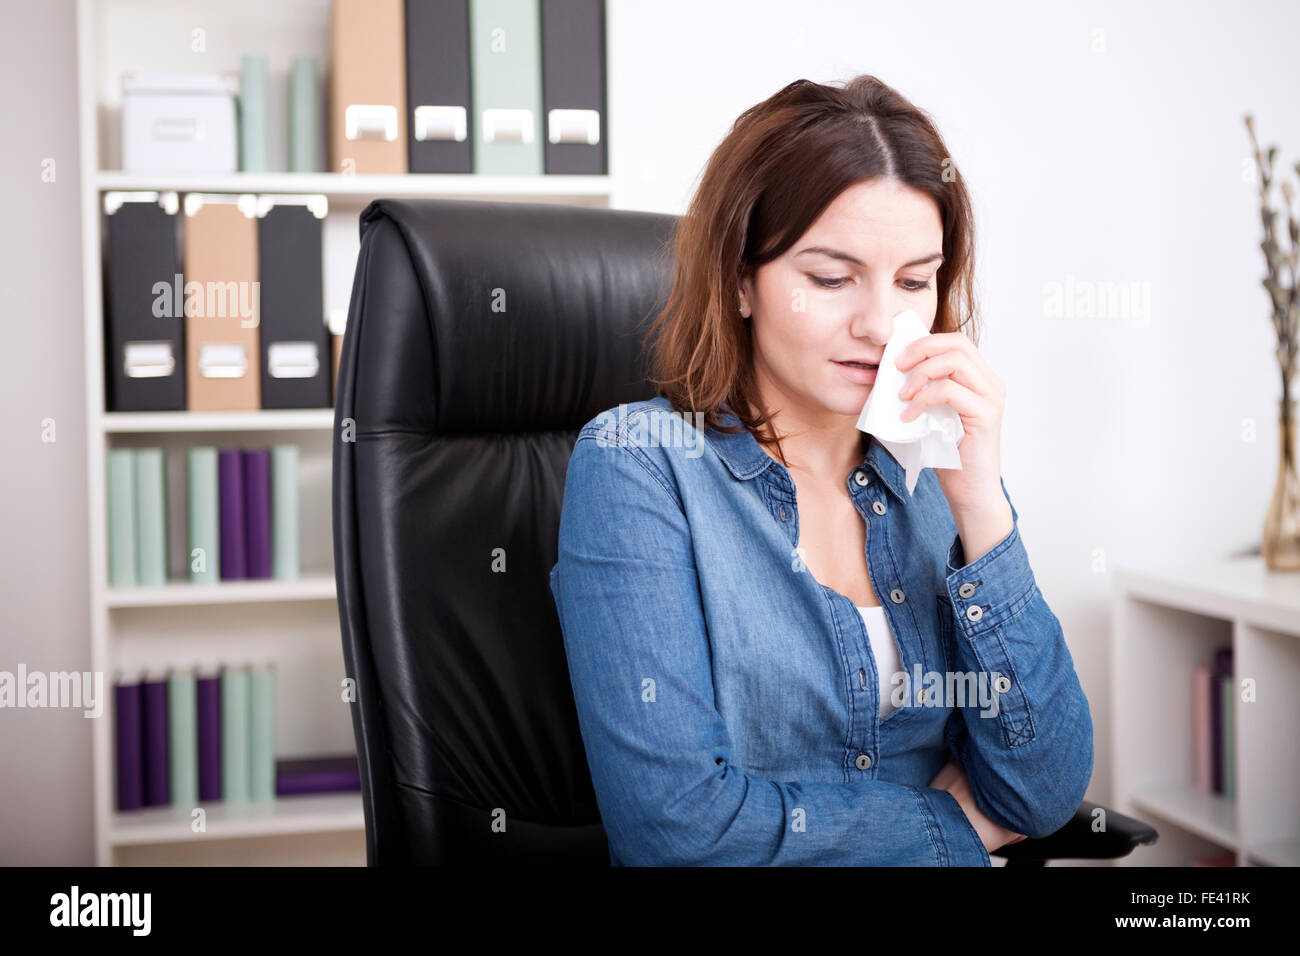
x=481 y=336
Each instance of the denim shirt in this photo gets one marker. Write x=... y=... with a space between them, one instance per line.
x=728 y=702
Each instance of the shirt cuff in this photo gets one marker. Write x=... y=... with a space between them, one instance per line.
x=995 y=588
x=956 y=836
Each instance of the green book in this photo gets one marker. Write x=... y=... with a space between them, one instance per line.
x=284 y=511
x=205 y=516
x=234 y=734
x=506 y=86
x=304 y=117
x=1227 y=703
x=121 y=517
x=150 y=517
x=182 y=744
x=262 y=733
x=252 y=114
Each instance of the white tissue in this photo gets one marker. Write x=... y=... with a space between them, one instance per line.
x=928 y=441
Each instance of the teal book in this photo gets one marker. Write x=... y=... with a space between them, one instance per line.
x=252 y=114
x=204 y=517
x=305 y=117
x=234 y=734
x=150 y=517
x=1228 y=700
x=121 y=517
x=284 y=511
x=506 y=86
x=262 y=733
x=183 y=719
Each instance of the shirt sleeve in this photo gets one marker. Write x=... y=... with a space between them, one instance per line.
x=659 y=752
x=1027 y=746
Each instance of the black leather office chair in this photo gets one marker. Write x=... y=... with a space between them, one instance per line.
x=481 y=336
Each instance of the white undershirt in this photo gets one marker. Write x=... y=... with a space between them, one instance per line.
x=885 y=650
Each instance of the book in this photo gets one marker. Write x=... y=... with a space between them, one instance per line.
x=150 y=517
x=204 y=516
x=208 y=719
x=157 y=774
x=234 y=553
x=257 y=512
x=262 y=732
x=182 y=716
x=322 y=774
x=128 y=731
x=121 y=517
x=284 y=512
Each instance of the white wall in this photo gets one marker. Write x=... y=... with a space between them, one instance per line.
x=45 y=763
x=1122 y=440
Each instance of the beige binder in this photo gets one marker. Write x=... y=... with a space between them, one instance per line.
x=222 y=303
x=368 y=87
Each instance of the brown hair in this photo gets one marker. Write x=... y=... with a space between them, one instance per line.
x=784 y=161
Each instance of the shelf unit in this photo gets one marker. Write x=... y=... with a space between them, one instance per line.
x=1165 y=625
x=293 y=622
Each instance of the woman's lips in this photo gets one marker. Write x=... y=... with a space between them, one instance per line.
x=861 y=374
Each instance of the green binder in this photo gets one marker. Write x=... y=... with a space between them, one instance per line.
x=506 y=86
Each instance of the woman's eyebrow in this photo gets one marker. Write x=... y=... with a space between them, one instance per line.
x=836 y=254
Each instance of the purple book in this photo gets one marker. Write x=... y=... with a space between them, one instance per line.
x=316 y=775
x=1222 y=668
x=257 y=511
x=234 y=554
x=157 y=780
x=207 y=692
x=130 y=766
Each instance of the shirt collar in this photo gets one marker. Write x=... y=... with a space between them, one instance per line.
x=746 y=459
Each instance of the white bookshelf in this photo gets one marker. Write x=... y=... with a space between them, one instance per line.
x=1163 y=626
x=294 y=623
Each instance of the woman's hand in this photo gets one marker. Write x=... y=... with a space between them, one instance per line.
x=953 y=780
x=947 y=368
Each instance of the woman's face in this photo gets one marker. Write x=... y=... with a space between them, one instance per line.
x=832 y=297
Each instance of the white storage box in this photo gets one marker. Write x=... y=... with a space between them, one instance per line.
x=179 y=122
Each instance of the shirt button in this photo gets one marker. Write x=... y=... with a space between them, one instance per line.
x=786 y=517
x=860 y=477
x=974 y=612
x=863 y=762
x=966 y=590
x=896 y=595
x=878 y=507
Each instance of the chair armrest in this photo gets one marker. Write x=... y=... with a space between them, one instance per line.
x=1078 y=841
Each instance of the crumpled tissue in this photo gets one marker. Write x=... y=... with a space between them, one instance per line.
x=928 y=441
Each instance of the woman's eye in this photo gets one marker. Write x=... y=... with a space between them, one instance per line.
x=912 y=285
x=829 y=283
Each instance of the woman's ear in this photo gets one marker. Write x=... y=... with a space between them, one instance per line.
x=745 y=295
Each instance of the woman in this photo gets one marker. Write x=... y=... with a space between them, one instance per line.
x=778 y=654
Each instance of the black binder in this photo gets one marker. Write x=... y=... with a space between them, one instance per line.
x=144 y=303
x=294 y=343
x=440 y=134
x=573 y=86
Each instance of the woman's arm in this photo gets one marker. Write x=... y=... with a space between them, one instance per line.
x=1030 y=763
x=659 y=752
